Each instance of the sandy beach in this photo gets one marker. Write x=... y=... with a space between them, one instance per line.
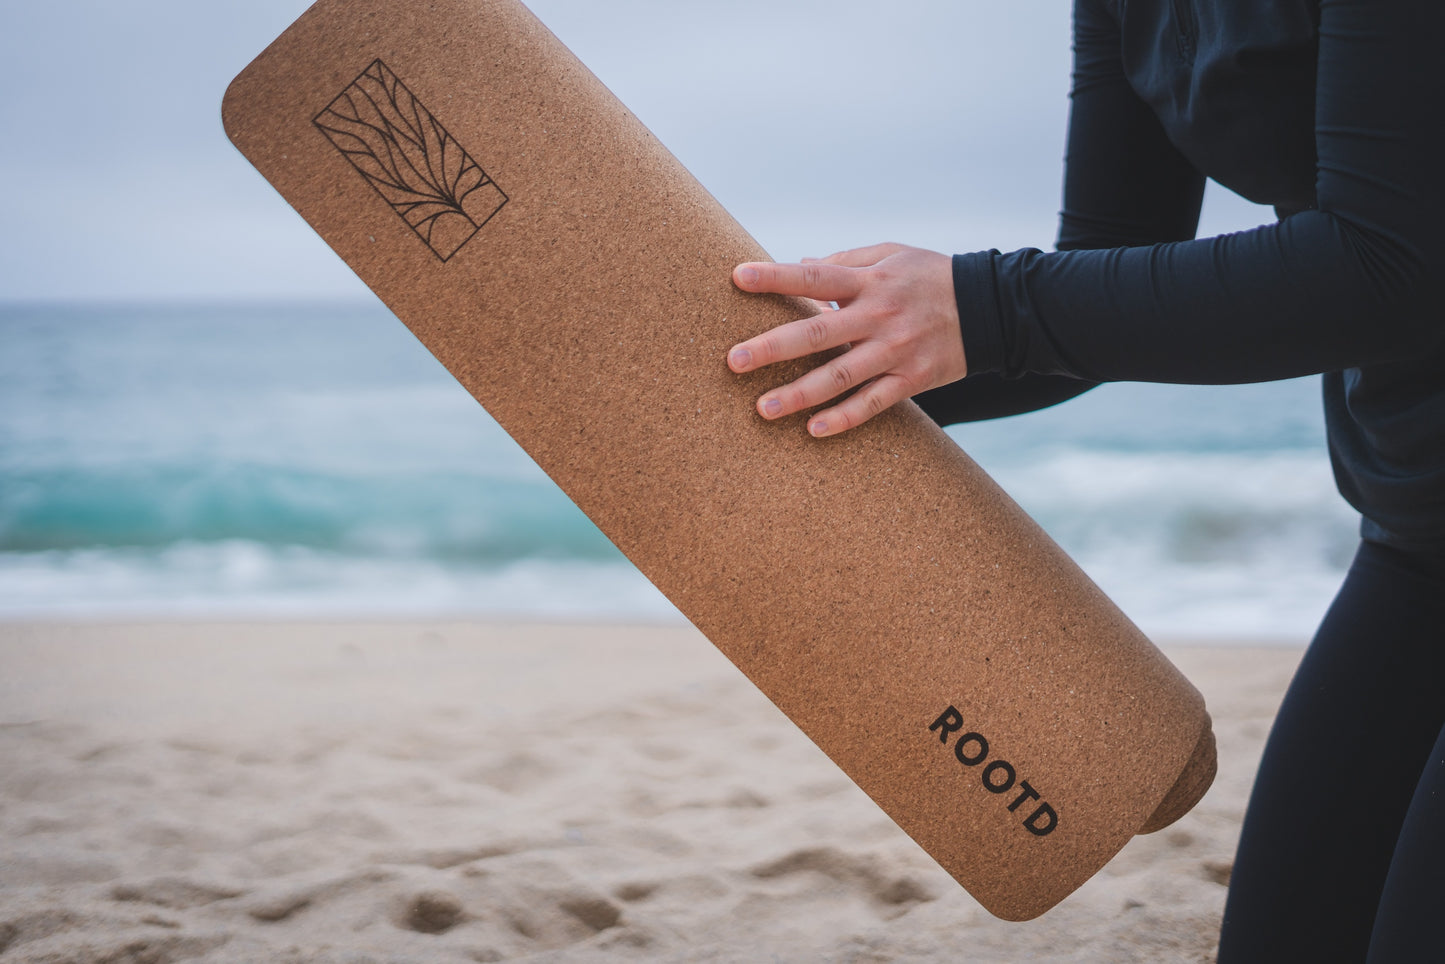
x=471 y=792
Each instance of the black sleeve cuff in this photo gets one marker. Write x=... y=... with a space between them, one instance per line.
x=978 y=315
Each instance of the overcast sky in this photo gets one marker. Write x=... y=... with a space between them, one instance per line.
x=820 y=124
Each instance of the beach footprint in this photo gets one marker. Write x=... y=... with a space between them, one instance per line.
x=174 y=893
x=891 y=894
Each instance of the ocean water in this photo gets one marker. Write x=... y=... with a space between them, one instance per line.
x=300 y=460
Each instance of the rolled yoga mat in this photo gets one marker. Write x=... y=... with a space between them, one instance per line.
x=877 y=586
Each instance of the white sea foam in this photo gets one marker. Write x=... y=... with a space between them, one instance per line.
x=1197 y=543
x=237 y=578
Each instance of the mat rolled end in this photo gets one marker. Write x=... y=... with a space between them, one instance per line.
x=1194 y=781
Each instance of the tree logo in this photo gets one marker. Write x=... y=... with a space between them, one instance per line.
x=403 y=152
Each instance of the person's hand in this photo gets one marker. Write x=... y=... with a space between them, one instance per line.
x=896 y=316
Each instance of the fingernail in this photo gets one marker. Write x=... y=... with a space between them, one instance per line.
x=747 y=276
x=741 y=359
x=818 y=429
x=772 y=407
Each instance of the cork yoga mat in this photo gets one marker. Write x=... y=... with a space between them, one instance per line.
x=877 y=586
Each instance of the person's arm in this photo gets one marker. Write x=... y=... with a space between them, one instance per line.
x=1356 y=281
x=1125 y=185
x=979 y=398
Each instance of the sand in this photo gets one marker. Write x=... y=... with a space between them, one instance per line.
x=388 y=792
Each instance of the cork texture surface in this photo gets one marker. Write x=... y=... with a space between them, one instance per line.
x=877 y=586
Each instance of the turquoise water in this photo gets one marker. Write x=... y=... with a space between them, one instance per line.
x=295 y=460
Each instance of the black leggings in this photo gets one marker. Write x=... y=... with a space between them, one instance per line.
x=1342 y=856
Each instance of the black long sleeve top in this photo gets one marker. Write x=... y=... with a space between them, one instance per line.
x=1332 y=111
